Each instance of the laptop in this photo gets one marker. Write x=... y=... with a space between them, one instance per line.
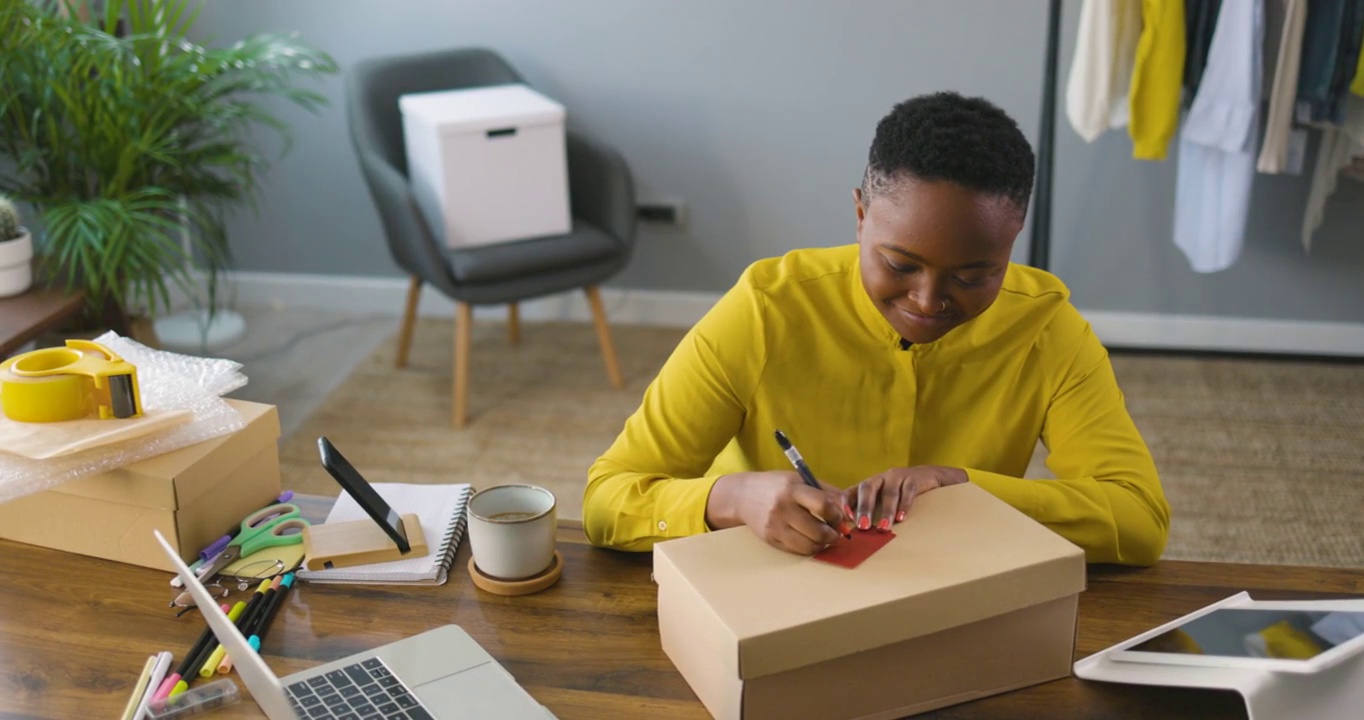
x=437 y=675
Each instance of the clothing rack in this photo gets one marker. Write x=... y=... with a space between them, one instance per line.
x=1039 y=249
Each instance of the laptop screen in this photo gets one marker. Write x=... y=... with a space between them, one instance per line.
x=264 y=686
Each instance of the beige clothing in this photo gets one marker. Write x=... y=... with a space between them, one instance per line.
x=1340 y=149
x=1279 y=121
x=1101 y=71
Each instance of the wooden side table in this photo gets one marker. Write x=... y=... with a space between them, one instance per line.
x=25 y=317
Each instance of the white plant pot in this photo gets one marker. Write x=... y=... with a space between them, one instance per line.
x=16 y=264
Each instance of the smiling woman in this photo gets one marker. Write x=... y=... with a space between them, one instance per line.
x=918 y=358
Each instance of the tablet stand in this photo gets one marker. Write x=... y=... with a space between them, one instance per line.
x=1335 y=693
x=359 y=542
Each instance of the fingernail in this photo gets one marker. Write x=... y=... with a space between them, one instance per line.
x=864 y=523
x=884 y=525
x=847 y=510
x=845 y=529
x=900 y=516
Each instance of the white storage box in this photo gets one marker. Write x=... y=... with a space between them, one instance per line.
x=487 y=164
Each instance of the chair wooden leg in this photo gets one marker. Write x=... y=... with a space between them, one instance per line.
x=464 y=320
x=514 y=323
x=608 y=348
x=414 y=289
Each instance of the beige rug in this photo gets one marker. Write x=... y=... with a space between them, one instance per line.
x=1262 y=461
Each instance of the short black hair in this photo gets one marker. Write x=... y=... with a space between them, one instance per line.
x=947 y=137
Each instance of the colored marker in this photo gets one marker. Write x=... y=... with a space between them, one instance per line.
x=182 y=684
x=171 y=680
x=210 y=664
x=247 y=623
x=263 y=623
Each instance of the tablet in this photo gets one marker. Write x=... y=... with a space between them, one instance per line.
x=1282 y=635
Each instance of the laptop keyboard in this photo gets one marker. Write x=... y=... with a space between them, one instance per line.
x=361 y=691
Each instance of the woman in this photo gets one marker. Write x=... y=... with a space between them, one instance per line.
x=917 y=358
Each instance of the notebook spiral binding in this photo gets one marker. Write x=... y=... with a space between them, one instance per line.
x=449 y=543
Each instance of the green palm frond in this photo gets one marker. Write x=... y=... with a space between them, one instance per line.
x=124 y=134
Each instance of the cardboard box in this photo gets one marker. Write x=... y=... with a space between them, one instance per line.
x=972 y=598
x=192 y=495
x=487 y=164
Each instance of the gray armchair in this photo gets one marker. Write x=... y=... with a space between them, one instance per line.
x=601 y=198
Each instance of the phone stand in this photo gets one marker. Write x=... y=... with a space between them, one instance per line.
x=359 y=542
x=1333 y=693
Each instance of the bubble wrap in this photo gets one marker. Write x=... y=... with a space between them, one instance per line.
x=167 y=381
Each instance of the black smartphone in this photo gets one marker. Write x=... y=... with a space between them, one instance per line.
x=357 y=487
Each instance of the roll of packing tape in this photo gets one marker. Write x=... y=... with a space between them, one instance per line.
x=81 y=380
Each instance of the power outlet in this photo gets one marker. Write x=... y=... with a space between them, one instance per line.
x=665 y=213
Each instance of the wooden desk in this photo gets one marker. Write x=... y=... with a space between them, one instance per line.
x=25 y=317
x=74 y=633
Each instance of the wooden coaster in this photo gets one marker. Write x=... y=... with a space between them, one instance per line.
x=527 y=586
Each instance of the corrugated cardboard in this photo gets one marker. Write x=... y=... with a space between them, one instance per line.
x=972 y=598
x=192 y=495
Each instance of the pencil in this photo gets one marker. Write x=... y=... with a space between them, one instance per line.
x=140 y=688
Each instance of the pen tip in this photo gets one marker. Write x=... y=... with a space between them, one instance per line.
x=781 y=438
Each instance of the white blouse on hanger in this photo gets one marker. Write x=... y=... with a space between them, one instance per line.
x=1217 y=145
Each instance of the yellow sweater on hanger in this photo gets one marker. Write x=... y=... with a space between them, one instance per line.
x=1157 y=79
x=1357 y=87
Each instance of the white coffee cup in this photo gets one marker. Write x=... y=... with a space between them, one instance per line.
x=511 y=530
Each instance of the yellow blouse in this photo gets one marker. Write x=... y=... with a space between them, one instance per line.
x=1157 y=79
x=798 y=345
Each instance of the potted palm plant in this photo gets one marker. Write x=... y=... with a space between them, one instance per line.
x=16 y=252
x=129 y=138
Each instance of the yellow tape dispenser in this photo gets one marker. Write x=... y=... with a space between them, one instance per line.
x=80 y=380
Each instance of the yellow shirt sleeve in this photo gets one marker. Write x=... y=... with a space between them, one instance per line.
x=1157 y=79
x=651 y=484
x=1107 y=498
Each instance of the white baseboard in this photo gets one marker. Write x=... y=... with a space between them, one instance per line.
x=385 y=296
x=1227 y=334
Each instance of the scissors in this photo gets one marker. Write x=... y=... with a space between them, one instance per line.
x=259 y=531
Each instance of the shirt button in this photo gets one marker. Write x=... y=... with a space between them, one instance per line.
x=662 y=525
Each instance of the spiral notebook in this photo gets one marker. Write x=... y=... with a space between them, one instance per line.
x=441 y=509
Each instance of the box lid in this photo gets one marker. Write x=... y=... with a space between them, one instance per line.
x=961 y=556
x=176 y=478
x=475 y=109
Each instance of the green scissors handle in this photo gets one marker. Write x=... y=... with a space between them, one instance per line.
x=258 y=533
x=274 y=533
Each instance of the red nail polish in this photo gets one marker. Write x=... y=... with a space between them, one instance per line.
x=884 y=525
x=847 y=510
x=900 y=516
x=864 y=523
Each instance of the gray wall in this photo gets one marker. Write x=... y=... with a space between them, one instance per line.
x=758 y=114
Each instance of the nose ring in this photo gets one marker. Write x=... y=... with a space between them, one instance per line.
x=944 y=307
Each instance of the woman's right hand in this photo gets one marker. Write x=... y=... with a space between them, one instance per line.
x=782 y=510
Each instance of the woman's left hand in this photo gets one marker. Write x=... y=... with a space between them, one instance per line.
x=883 y=499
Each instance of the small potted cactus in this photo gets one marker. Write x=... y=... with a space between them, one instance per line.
x=16 y=252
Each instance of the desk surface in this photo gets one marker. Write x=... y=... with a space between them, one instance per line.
x=75 y=631
x=24 y=317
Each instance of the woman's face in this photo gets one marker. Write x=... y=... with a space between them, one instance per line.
x=933 y=254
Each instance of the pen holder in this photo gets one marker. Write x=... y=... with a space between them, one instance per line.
x=359 y=542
